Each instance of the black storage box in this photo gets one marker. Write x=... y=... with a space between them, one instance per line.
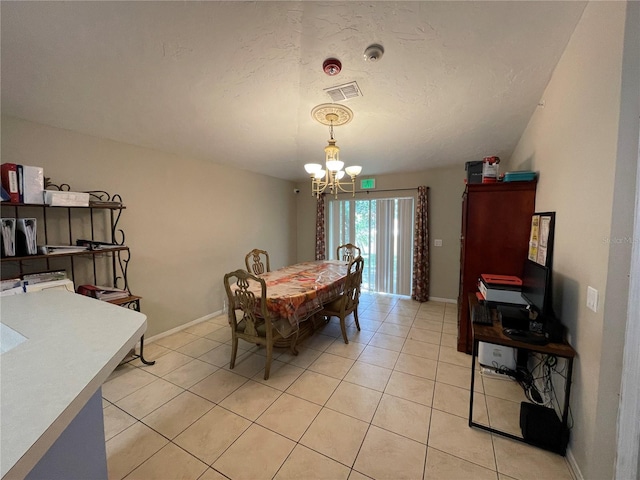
x=474 y=171
x=541 y=427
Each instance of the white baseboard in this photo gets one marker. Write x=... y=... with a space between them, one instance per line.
x=573 y=465
x=182 y=327
x=443 y=300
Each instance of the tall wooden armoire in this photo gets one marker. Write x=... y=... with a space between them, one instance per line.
x=496 y=221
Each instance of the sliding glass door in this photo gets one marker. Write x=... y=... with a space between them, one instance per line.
x=383 y=229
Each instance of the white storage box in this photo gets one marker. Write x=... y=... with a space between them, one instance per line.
x=496 y=356
x=33 y=184
x=66 y=199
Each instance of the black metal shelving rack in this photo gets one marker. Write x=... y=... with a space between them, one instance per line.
x=114 y=247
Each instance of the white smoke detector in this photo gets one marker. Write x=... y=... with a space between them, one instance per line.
x=373 y=53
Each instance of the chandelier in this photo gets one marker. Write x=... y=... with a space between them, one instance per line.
x=331 y=176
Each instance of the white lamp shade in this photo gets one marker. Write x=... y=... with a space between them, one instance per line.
x=340 y=174
x=335 y=165
x=319 y=174
x=354 y=170
x=312 y=168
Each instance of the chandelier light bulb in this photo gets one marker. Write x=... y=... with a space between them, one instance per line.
x=334 y=165
x=312 y=168
x=319 y=174
x=354 y=170
x=340 y=174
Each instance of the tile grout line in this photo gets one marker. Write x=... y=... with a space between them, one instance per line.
x=342 y=380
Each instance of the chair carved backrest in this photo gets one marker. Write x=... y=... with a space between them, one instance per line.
x=254 y=310
x=347 y=252
x=257 y=261
x=351 y=292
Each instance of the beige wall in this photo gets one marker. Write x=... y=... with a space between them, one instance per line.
x=574 y=142
x=445 y=209
x=187 y=221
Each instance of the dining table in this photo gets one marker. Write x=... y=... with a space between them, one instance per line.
x=296 y=292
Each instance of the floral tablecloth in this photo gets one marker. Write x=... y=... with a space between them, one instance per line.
x=295 y=292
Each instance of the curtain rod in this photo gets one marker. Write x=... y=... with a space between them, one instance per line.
x=390 y=190
x=387 y=190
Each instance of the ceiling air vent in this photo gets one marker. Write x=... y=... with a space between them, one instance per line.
x=344 y=92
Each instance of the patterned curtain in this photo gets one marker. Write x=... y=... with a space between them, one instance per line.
x=421 y=248
x=320 y=236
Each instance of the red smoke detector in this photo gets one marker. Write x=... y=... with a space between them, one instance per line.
x=332 y=66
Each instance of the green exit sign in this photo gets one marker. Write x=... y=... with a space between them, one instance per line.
x=367 y=183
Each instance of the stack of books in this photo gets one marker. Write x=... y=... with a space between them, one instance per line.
x=66 y=199
x=34 y=282
x=501 y=288
x=33 y=278
x=60 y=249
x=103 y=293
x=11 y=286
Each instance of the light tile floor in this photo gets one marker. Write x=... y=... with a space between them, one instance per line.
x=392 y=404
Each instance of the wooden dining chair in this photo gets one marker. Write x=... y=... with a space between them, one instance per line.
x=256 y=325
x=257 y=261
x=347 y=252
x=347 y=302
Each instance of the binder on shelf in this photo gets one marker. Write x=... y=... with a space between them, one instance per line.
x=9 y=178
x=32 y=184
x=60 y=249
x=20 y=170
x=95 y=245
x=26 y=232
x=8 y=237
x=103 y=293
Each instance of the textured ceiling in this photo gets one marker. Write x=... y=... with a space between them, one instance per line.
x=234 y=82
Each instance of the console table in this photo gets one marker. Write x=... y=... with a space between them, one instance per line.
x=493 y=334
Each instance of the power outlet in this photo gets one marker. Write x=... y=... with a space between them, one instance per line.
x=592 y=299
x=437 y=242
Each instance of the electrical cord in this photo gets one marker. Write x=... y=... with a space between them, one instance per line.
x=526 y=381
x=537 y=383
x=504 y=370
x=547 y=368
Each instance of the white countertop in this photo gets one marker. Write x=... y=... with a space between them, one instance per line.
x=73 y=344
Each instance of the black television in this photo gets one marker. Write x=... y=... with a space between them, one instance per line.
x=536 y=287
